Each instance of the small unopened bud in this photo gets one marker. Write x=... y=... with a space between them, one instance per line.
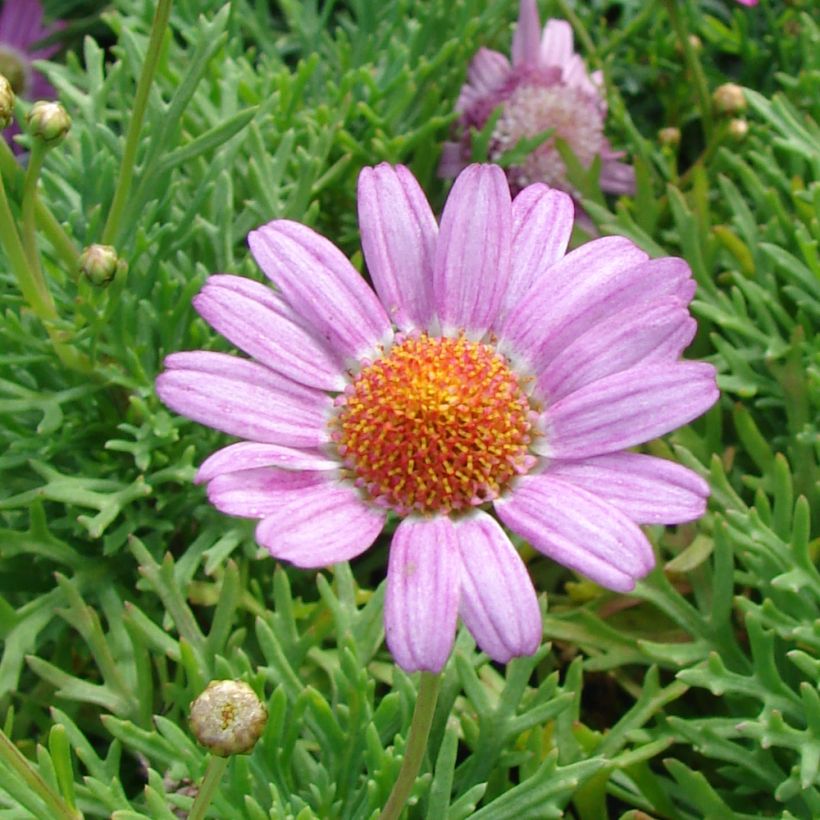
x=100 y=264
x=738 y=128
x=729 y=99
x=6 y=101
x=228 y=718
x=669 y=137
x=48 y=121
x=694 y=41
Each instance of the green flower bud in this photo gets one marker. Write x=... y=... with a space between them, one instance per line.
x=669 y=137
x=729 y=99
x=228 y=718
x=48 y=121
x=13 y=66
x=6 y=101
x=100 y=264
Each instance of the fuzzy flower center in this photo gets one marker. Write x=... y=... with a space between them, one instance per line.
x=13 y=67
x=532 y=109
x=435 y=426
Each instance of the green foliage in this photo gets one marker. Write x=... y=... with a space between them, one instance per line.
x=122 y=592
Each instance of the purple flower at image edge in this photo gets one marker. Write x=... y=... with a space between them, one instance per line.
x=492 y=383
x=21 y=29
x=546 y=86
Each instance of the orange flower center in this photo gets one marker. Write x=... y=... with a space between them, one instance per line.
x=435 y=426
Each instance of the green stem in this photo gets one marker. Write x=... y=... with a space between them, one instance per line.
x=416 y=745
x=35 y=164
x=210 y=782
x=129 y=154
x=33 y=288
x=17 y=762
x=38 y=298
x=48 y=224
x=694 y=66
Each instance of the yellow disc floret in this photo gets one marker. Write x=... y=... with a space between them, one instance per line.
x=435 y=425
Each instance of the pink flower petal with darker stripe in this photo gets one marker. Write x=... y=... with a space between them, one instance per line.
x=577 y=529
x=627 y=408
x=423 y=590
x=260 y=323
x=649 y=490
x=320 y=285
x=498 y=601
x=320 y=525
x=248 y=455
x=244 y=399
x=257 y=493
x=472 y=262
x=399 y=234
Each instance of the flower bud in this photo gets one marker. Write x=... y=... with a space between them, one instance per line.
x=729 y=99
x=6 y=101
x=228 y=718
x=48 y=121
x=669 y=137
x=100 y=264
x=738 y=128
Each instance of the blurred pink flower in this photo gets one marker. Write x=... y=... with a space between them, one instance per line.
x=491 y=380
x=21 y=29
x=748 y=2
x=546 y=87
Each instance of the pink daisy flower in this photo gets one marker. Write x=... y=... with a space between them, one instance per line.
x=21 y=28
x=748 y=2
x=491 y=383
x=546 y=87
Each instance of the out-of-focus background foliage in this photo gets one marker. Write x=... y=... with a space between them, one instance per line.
x=122 y=593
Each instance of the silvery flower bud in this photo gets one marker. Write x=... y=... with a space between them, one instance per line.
x=6 y=102
x=100 y=264
x=729 y=99
x=48 y=121
x=669 y=137
x=228 y=718
x=738 y=128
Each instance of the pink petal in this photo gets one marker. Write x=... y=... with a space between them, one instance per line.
x=248 y=455
x=399 y=235
x=244 y=399
x=627 y=408
x=320 y=525
x=498 y=602
x=488 y=70
x=21 y=23
x=526 y=40
x=260 y=323
x=598 y=292
x=556 y=44
x=648 y=490
x=542 y=224
x=260 y=492
x=322 y=287
x=472 y=263
x=646 y=332
x=576 y=277
x=578 y=530
x=423 y=588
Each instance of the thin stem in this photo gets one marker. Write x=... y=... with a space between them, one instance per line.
x=17 y=762
x=35 y=164
x=33 y=288
x=207 y=789
x=694 y=66
x=416 y=745
x=38 y=298
x=129 y=153
x=48 y=224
